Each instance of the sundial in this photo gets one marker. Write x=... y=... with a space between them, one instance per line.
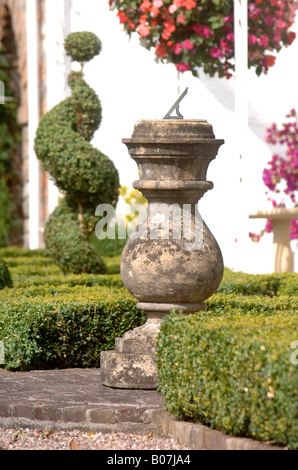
x=176 y=107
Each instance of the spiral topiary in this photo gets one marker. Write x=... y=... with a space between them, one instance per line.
x=5 y=277
x=85 y=175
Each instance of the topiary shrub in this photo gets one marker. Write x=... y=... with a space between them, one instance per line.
x=5 y=278
x=86 y=176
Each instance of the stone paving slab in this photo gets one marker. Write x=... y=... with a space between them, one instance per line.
x=76 y=399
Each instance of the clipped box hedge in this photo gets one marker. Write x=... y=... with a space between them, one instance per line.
x=16 y=252
x=56 y=320
x=54 y=281
x=259 y=284
x=222 y=304
x=65 y=329
x=232 y=373
x=228 y=367
x=5 y=277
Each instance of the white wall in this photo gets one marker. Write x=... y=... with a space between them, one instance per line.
x=132 y=86
x=58 y=26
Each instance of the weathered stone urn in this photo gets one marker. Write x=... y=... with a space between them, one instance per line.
x=172 y=261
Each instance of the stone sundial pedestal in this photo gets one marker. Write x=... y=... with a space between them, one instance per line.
x=172 y=261
x=281 y=218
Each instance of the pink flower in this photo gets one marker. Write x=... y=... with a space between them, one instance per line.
x=122 y=17
x=143 y=19
x=145 y=6
x=269 y=20
x=181 y=18
x=189 y=4
x=268 y=226
x=143 y=30
x=178 y=48
x=277 y=36
x=169 y=28
x=230 y=37
x=267 y=179
x=225 y=46
x=252 y=39
x=263 y=40
x=228 y=19
x=280 y=24
x=294 y=229
x=154 y=12
x=173 y=8
x=188 y=45
x=215 y=52
x=254 y=237
x=157 y=3
x=202 y=30
x=291 y=37
x=183 y=67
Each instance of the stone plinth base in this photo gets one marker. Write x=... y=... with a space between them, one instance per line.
x=129 y=371
x=133 y=364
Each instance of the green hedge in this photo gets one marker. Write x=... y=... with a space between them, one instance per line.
x=55 y=281
x=62 y=330
x=55 y=320
x=232 y=373
x=15 y=252
x=228 y=367
x=260 y=284
x=5 y=277
x=222 y=304
x=26 y=271
x=49 y=291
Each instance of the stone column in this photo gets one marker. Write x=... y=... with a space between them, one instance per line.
x=281 y=218
x=172 y=261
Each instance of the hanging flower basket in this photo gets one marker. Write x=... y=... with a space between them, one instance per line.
x=193 y=34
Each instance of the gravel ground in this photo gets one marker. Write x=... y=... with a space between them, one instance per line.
x=25 y=439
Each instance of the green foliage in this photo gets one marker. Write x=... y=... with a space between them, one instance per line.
x=230 y=366
x=16 y=252
x=10 y=135
x=108 y=246
x=68 y=246
x=82 y=46
x=5 y=201
x=61 y=331
x=260 y=284
x=5 y=278
x=53 y=320
x=86 y=176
